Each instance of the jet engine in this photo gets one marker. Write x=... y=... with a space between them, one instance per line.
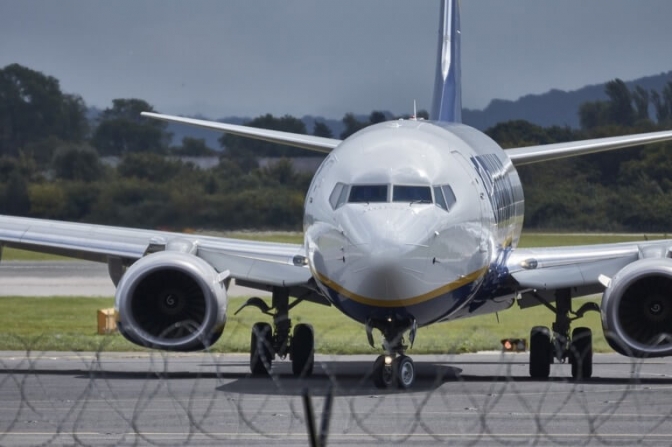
x=173 y=301
x=637 y=309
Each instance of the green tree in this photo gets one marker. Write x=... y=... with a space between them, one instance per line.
x=592 y=114
x=123 y=130
x=15 y=201
x=352 y=125
x=42 y=151
x=423 y=114
x=80 y=199
x=239 y=147
x=518 y=133
x=281 y=171
x=32 y=108
x=320 y=129
x=193 y=147
x=662 y=102
x=377 y=117
x=47 y=201
x=23 y=165
x=620 y=108
x=78 y=163
x=640 y=97
x=146 y=166
x=134 y=203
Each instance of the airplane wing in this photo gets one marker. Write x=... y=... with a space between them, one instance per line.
x=586 y=269
x=519 y=156
x=310 y=142
x=266 y=263
x=533 y=154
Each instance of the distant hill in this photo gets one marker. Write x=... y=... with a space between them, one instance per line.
x=555 y=107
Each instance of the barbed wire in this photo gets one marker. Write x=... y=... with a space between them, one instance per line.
x=158 y=398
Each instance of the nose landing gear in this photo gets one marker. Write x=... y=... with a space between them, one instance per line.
x=388 y=371
x=393 y=368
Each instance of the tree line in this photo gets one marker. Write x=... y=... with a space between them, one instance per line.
x=55 y=163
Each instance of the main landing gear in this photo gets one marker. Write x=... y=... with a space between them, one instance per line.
x=394 y=368
x=267 y=342
x=577 y=349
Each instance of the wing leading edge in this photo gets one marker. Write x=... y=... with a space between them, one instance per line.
x=267 y=263
x=544 y=270
x=310 y=142
x=533 y=154
x=519 y=156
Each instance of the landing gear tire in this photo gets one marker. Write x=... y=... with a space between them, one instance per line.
x=303 y=350
x=383 y=374
x=404 y=370
x=581 y=353
x=261 y=349
x=540 y=352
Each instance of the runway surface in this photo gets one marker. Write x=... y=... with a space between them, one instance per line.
x=201 y=399
x=49 y=398
x=68 y=278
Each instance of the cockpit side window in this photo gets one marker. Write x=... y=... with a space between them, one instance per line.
x=439 y=199
x=422 y=194
x=449 y=196
x=338 y=195
x=368 y=193
x=444 y=197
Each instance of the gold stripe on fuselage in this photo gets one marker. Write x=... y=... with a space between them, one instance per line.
x=463 y=281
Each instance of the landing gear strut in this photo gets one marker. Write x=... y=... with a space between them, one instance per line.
x=388 y=371
x=577 y=349
x=394 y=367
x=266 y=342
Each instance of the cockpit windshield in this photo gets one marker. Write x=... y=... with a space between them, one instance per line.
x=421 y=194
x=368 y=193
x=440 y=195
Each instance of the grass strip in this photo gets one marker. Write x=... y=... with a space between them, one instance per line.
x=70 y=324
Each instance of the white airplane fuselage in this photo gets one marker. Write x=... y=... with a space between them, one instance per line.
x=393 y=254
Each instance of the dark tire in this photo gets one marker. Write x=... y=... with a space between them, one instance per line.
x=303 y=350
x=383 y=375
x=404 y=371
x=540 y=352
x=261 y=349
x=581 y=353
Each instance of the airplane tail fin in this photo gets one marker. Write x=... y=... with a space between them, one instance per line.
x=447 y=100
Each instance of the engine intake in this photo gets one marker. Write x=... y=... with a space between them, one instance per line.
x=637 y=309
x=172 y=301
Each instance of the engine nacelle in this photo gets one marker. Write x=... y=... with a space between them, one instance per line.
x=173 y=301
x=637 y=309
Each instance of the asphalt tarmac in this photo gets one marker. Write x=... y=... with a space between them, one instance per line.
x=202 y=399
x=56 y=398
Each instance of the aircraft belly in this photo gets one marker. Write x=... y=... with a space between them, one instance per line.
x=424 y=312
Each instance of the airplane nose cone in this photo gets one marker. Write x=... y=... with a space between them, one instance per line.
x=393 y=255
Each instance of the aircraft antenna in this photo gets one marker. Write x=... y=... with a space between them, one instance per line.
x=414 y=117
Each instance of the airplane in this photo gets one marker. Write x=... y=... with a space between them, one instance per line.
x=407 y=223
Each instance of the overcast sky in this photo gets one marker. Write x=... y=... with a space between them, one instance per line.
x=249 y=57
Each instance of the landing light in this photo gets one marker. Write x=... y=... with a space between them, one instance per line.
x=300 y=261
x=514 y=345
x=529 y=264
x=388 y=360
